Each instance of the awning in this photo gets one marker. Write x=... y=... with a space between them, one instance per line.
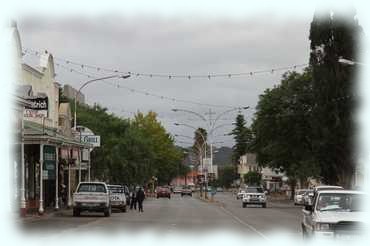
x=37 y=134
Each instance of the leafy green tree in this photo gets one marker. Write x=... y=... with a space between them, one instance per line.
x=166 y=156
x=226 y=176
x=252 y=178
x=282 y=128
x=131 y=152
x=333 y=35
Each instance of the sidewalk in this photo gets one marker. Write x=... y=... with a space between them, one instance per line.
x=48 y=212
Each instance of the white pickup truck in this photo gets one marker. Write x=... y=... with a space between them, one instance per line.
x=335 y=214
x=92 y=197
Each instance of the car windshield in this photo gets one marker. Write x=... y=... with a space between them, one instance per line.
x=339 y=202
x=115 y=189
x=254 y=190
x=92 y=188
x=301 y=192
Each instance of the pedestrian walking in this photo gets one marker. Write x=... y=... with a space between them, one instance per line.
x=140 y=196
x=133 y=200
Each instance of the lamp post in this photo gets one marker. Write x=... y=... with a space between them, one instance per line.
x=75 y=107
x=350 y=62
x=211 y=123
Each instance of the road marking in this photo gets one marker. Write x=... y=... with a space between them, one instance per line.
x=244 y=223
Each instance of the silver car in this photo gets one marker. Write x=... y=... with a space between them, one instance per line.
x=334 y=214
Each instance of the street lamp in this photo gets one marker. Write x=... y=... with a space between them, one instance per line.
x=89 y=82
x=349 y=62
x=75 y=106
x=212 y=123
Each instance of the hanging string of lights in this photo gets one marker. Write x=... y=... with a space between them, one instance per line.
x=92 y=75
x=172 y=75
x=146 y=93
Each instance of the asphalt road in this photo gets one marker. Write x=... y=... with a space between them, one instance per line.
x=176 y=214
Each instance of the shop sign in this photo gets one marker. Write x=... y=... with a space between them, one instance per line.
x=94 y=140
x=38 y=108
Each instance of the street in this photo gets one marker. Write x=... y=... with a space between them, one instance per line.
x=178 y=214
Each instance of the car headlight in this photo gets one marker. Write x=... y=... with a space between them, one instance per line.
x=322 y=227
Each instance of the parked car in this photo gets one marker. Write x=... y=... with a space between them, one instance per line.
x=254 y=195
x=163 y=192
x=311 y=196
x=240 y=194
x=92 y=197
x=177 y=190
x=334 y=214
x=299 y=196
x=118 y=197
x=186 y=191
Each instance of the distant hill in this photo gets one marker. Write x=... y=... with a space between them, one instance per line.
x=222 y=156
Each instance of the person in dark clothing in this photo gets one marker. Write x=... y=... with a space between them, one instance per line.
x=133 y=200
x=140 y=196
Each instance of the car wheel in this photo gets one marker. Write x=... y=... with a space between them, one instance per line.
x=244 y=205
x=124 y=209
x=157 y=197
x=169 y=197
x=76 y=212
x=264 y=205
x=108 y=212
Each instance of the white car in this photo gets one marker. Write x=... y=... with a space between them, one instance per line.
x=118 y=197
x=311 y=195
x=299 y=196
x=334 y=214
x=254 y=195
x=92 y=197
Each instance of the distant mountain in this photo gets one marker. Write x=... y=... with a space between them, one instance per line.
x=222 y=156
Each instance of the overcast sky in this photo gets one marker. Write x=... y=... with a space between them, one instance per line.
x=184 y=45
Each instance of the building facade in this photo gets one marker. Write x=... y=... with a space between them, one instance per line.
x=43 y=139
x=70 y=93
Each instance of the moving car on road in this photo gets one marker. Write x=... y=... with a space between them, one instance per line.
x=163 y=192
x=254 y=195
x=334 y=214
x=92 y=197
x=186 y=191
x=118 y=197
x=299 y=196
x=177 y=190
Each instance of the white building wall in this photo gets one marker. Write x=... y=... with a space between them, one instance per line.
x=42 y=81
